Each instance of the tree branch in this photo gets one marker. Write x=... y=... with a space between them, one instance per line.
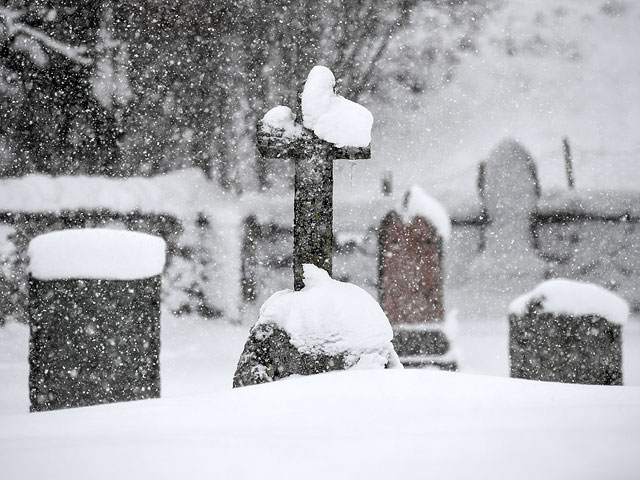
x=75 y=54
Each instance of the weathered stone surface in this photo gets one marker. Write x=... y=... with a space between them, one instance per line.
x=409 y=342
x=564 y=348
x=269 y=355
x=93 y=341
x=313 y=211
x=411 y=271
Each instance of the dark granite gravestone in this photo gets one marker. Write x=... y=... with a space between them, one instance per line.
x=567 y=344
x=411 y=283
x=93 y=340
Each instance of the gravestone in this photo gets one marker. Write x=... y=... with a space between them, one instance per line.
x=94 y=305
x=567 y=331
x=509 y=190
x=411 y=280
x=326 y=127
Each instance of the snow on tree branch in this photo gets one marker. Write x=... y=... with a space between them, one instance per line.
x=110 y=79
x=73 y=53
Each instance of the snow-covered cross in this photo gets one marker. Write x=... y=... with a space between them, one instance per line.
x=327 y=127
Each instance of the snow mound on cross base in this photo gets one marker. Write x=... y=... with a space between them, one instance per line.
x=419 y=204
x=96 y=253
x=573 y=298
x=331 y=117
x=331 y=317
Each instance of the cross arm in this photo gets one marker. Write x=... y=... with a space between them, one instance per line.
x=277 y=143
x=350 y=153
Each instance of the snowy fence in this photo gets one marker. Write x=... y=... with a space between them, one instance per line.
x=225 y=259
x=267 y=259
x=570 y=242
x=579 y=245
x=592 y=247
x=202 y=272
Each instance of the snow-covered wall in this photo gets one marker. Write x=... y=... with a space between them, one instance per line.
x=182 y=193
x=575 y=235
x=200 y=225
x=583 y=234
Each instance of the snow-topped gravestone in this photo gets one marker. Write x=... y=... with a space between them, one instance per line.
x=411 y=280
x=567 y=331
x=327 y=127
x=94 y=303
x=328 y=325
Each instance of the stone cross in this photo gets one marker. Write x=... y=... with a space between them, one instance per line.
x=326 y=127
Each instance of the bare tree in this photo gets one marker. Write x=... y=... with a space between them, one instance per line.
x=147 y=86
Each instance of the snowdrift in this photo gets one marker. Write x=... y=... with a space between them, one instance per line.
x=357 y=424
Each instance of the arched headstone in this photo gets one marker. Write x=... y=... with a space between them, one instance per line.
x=411 y=280
x=509 y=190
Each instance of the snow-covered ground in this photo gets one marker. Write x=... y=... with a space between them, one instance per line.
x=345 y=425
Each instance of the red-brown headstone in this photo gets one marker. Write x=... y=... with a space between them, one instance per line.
x=411 y=276
x=411 y=280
